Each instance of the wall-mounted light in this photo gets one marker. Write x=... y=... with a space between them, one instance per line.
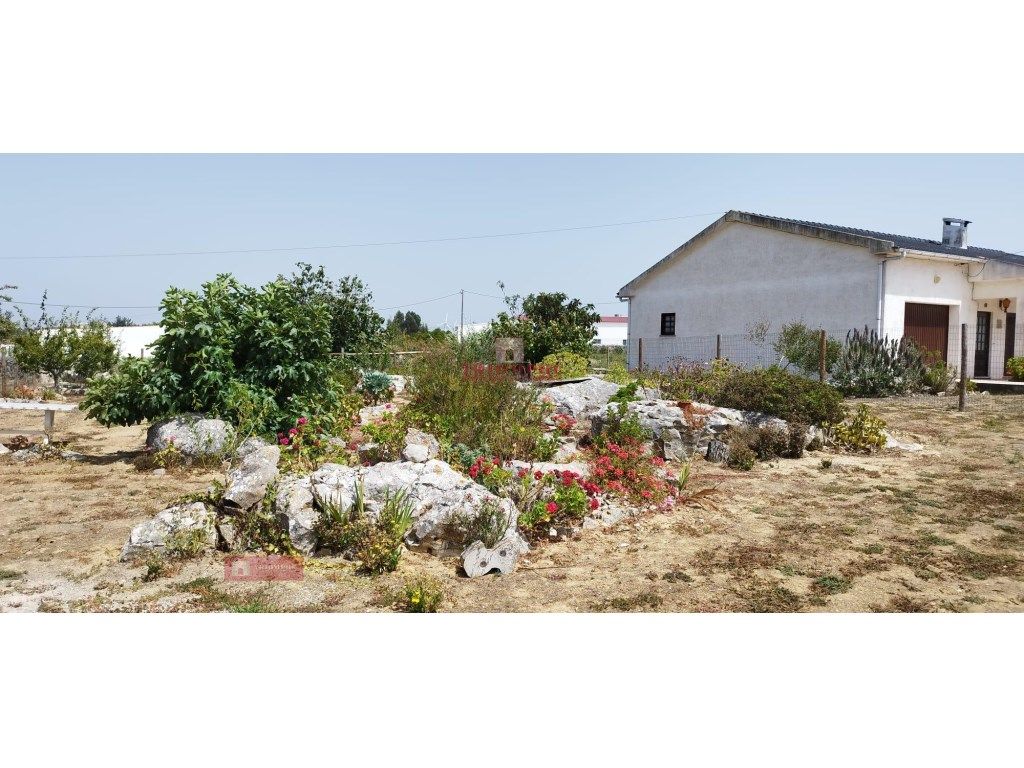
x=1004 y=304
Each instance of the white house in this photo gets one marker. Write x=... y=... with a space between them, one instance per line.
x=727 y=290
x=611 y=331
x=135 y=340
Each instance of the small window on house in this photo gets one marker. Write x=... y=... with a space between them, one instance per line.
x=668 y=323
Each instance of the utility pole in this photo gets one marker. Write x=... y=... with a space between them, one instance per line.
x=462 y=312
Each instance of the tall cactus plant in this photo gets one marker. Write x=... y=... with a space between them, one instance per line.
x=872 y=366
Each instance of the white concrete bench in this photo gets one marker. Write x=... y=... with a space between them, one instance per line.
x=48 y=409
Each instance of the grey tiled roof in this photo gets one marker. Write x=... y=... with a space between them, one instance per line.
x=914 y=243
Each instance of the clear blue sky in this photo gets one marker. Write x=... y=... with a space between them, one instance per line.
x=83 y=205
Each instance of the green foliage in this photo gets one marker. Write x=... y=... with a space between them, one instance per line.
x=776 y=392
x=490 y=523
x=184 y=545
x=877 y=366
x=548 y=323
x=233 y=351
x=621 y=426
x=422 y=595
x=376 y=386
x=488 y=414
x=376 y=544
x=121 y=321
x=700 y=382
x=741 y=456
x=938 y=377
x=388 y=434
x=478 y=347
x=801 y=347
x=862 y=432
x=569 y=365
x=406 y=323
x=1015 y=365
x=618 y=373
x=9 y=327
x=261 y=529
x=59 y=345
x=353 y=324
x=626 y=394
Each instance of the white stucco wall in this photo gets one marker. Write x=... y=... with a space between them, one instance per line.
x=134 y=340
x=741 y=275
x=611 y=334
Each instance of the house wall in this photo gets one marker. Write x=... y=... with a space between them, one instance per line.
x=610 y=334
x=741 y=275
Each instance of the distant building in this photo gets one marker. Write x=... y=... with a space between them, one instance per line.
x=611 y=331
x=135 y=340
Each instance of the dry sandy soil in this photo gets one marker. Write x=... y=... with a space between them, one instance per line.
x=938 y=530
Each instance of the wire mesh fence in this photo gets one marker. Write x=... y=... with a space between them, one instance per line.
x=990 y=347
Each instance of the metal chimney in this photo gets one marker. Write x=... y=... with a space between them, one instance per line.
x=954 y=232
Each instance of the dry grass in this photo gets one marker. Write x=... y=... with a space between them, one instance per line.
x=940 y=530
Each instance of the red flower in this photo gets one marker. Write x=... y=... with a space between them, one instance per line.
x=594 y=504
x=538 y=475
x=521 y=474
x=474 y=471
x=293 y=431
x=552 y=507
x=302 y=420
x=283 y=441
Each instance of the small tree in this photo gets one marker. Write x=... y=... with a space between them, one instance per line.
x=548 y=323
x=9 y=328
x=121 y=321
x=801 y=346
x=406 y=323
x=58 y=345
x=355 y=325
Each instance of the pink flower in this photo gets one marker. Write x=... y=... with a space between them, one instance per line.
x=293 y=431
x=538 y=475
x=594 y=503
x=552 y=507
x=302 y=420
x=283 y=441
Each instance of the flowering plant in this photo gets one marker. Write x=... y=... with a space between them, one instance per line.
x=304 y=446
x=627 y=469
x=564 y=423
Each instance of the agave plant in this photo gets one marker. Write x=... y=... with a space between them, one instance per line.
x=873 y=366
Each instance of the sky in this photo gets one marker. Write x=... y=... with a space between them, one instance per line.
x=95 y=205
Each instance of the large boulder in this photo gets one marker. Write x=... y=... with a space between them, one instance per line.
x=581 y=399
x=420 y=446
x=193 y=523
x=255 y=470
x=296 y=513
x=675 y=436
x=192 y=434
x=443 y=499
x=479 y=560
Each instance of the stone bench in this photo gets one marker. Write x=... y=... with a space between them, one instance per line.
x=48 y=409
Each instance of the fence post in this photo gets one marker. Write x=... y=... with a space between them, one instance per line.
x=718 y=346
x=3 y=371
x=640 y=354
x=963 y=367
x=822 y=349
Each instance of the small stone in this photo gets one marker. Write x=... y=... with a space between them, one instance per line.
x=478 y=560
x=159 y=472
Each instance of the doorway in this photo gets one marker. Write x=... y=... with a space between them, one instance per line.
x=982 y=341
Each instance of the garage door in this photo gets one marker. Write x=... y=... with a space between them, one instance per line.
x=928 y=326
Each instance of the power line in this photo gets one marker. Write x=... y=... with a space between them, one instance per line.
x=360 y=245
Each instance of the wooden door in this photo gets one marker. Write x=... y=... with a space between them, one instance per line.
x=927 y=325
x=982 y=342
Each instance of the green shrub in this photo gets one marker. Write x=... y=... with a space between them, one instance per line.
x=877 y=366
x=490 y=414
x=618 y=373
x=547 y=323
x=863 y=431
x=765 y=443
x=376 y=386
x=776 y=392
x=701 y=382
x=61 y=345
x=227 y=349
x=741 y=455
x=801 y=346
x=622 y=426
x=565 y=364
x=938 y=377
x=388 y=434
x=376 y=544
x=1015 y=365
x=490 y=523
x=626 y=393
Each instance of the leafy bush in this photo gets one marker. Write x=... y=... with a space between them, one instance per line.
x=863 y=431
x=376 y=544
x=228 y=351
x=1015 y=365
x=938 y=377
x=569 y=365
x=548 y=323
x=741 y=456
x=59 y=345
x=776 y=392
x=376 y=386
x=622 y=426
x=764 y=443
x=352 y=322
x=702 y=382
x=801 y=346
x=618 y=373
x=877 y=366
x=489 y=525
x=626 y=393
x=307 y=445
x=492 y=414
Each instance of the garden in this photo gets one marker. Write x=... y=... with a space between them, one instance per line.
x=399 y=482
